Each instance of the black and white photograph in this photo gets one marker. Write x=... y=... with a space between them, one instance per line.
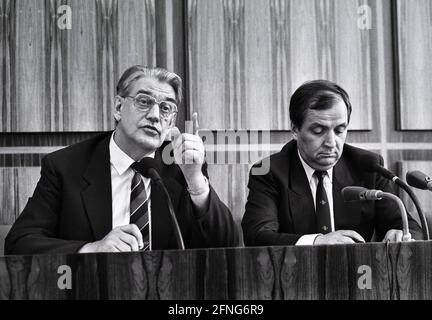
x=215 y=155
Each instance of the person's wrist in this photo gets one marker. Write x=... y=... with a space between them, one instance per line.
x=198 y=185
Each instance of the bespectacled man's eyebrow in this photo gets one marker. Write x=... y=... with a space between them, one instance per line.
x=151 y=94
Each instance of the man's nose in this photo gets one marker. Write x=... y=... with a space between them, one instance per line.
x=330 y=140
x=153 y=114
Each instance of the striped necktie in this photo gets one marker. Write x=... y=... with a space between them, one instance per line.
x=139 y=214
x=322 y=207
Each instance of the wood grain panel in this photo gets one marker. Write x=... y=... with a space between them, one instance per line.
x=205 y=26
x=414 y=49
x=265 y=265
x=411 y=270
x=17 y=185
x=39 y=274
x=3 y=233
x=347 y=272
x=7 y=54
x=230 y=183
x=424 y=196
x=81 y=86
x=137 y=44
x=352 y=58
x=29 y=75
x=399 y=271
x=246 y=58
x=64 y=80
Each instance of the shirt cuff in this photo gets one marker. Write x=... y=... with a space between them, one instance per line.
x=307 y=239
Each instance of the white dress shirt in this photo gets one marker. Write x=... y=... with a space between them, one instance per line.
x=309 y=239
x=121 y=180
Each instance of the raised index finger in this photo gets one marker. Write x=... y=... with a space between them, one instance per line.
x=195 y=126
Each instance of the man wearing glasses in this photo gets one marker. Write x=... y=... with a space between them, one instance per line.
x=91 y=198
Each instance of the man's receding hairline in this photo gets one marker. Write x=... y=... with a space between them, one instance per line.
x=149 y=76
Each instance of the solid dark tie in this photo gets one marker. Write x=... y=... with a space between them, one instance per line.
x=139 y=207
x=322 y=207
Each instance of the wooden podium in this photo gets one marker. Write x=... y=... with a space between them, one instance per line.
x=392 y=271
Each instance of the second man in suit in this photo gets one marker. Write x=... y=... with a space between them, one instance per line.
x=299 y=200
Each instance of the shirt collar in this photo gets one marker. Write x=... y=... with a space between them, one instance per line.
x=310 y=171
x=119 y=159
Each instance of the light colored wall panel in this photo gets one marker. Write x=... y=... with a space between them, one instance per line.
x=81 y=105
x=206 y=43
x=7 y=198
x=230 y=183
x=31 y=91
x=352 y=58
x=137 y=44
x=16 y=186
x=414 y=48
x=6 y=27
x=3 y=233
x=56 y=79
x=246 y=58
x=424 y=196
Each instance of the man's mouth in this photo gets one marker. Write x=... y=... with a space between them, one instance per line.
x=151 y=130
x=327 y=155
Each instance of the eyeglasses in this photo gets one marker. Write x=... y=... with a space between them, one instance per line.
x=144 y=102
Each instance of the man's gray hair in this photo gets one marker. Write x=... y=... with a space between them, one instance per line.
x=137 y=72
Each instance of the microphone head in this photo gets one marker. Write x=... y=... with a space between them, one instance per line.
x=418 y=179
x=147 y=167
x=353 y=193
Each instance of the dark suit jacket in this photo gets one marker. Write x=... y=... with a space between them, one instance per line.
x=72 y=205
x=280 y=205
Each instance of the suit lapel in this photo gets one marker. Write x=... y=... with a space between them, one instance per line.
x=300 y=197
x=343 y=212
x=96 y=195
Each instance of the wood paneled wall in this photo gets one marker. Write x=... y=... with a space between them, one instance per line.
x=414 y=50
x=64 y=80
x=241 y=61
x=246 y=58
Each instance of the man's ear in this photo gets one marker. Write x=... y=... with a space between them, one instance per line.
x=294 y=130
x=118 y=104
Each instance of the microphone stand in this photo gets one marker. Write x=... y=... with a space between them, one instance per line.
x=146 y=167
x=405 y=229
x=407 y=189
x=354 y=193
x=177 y=232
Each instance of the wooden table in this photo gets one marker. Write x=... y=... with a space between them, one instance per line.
x=395 y=271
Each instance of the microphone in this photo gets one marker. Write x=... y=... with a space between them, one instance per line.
x=419 y=180
x=361 y=194
x=148 y=168
x=369 y=163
